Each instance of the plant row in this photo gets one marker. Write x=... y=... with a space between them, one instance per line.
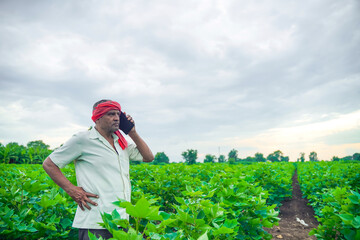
x=175 y=201
x=332 y=188
x=203 y=201
x=32 y=206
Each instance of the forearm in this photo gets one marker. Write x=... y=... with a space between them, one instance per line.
x=76 y=193
x=56 y=175
x=142 y=147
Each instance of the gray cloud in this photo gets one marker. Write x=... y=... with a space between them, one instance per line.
x=192 y=75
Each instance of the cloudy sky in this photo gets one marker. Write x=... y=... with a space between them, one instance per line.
x=255 y=76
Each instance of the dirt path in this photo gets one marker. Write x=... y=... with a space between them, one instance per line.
x=291 y=209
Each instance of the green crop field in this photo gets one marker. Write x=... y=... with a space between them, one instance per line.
x=178 y=201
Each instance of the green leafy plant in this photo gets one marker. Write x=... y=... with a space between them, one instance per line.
x=332 y=189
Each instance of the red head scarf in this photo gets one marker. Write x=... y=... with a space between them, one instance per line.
x=100 y=111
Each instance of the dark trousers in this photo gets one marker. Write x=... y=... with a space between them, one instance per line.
x=104 y=233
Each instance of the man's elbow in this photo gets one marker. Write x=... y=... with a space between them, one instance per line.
x=149 y=158
x=47 y=164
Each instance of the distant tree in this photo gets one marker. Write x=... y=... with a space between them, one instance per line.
x=302 y=157
x=275 y=156
x=249 y=159
x=37 y=144
x=33 y=152
x=190 y=156
x=259 y=157
x=221 y=158
x=14 y=153
x=37 y=151
x=233 y=154
x=209 y=158
x=335 y=159
x=347 y=158
x=135 y=162
x=231 y=161
x=313 y=157
x=356 y=156
x=2 y=150
x=161 y=158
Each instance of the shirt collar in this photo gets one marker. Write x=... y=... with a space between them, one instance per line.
x=95 y=134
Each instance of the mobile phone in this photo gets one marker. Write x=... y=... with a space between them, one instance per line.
x=125 y=124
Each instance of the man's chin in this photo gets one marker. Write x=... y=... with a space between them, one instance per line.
x=114 y=129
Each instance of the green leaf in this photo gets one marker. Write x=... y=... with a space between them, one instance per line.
x=203 y=237
x=9 y=213
x=156 y=236
x=312 y=232
x=168 y=222
x=171 y=236
x=25 y=228
x=65 y=222
x=180 y=200
x=45 y=202
x=140 y=210
x=119 y=234
x=357 y=219
x=93 y=237
x=255 y=221
x=122 y=203
x=267 y=224
x=223 y=230
x=107 y=219
x=346 y=217
x=230 y=223
x=154 y=214
x=354 y=199
x=349 y=234
x=41 y=226
x=115 y=214
x=165 y=215
x=124 y=223
x=211 y=193
x=355 y=223
x=201 y=215
x=132 y=235
x=356 y=194
x=188 y=188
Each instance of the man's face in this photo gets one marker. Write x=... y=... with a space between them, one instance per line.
x=110 y=121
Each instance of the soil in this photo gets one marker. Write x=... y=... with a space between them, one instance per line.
x=296 y=207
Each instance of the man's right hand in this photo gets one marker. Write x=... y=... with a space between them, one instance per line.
x=76 y=193
x=81 y=197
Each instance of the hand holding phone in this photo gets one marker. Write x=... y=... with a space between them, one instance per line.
x=125 y=124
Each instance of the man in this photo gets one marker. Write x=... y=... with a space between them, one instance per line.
x=101 y=157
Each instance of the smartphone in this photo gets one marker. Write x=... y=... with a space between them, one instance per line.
x=125 y=124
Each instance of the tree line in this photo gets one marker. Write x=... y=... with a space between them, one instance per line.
x=314 y=158
x=35 y=152
x=190 y=156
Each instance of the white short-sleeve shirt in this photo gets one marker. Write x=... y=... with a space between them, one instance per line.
x=100 y=170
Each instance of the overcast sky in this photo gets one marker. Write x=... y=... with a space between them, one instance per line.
x=255 y=76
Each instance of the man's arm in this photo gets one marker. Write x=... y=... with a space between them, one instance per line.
x=141 y=146
x=76 y=193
